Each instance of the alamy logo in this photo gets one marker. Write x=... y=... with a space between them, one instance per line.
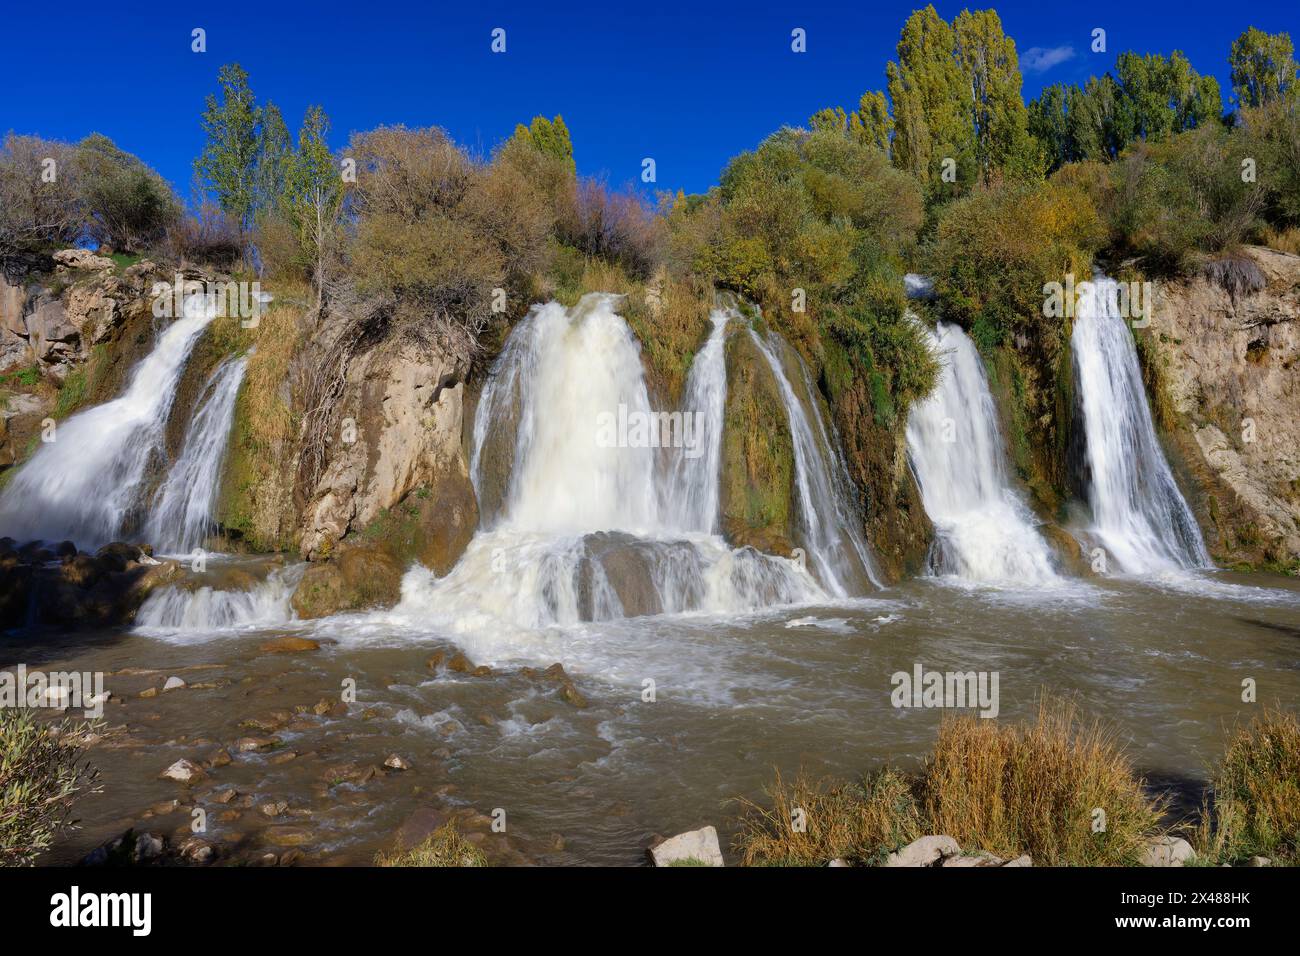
x=1128 y=300
x=59 y=690
x=73 y=909
x=637 y=429
x=922 y=688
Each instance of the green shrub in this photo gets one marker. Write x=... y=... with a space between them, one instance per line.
x=41 y=772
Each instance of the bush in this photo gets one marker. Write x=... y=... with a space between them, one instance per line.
x=208 y=237
x=859 y=822
x=994 y=250
x=617 y=226
x=1257 y=793
x=444 y=847
x=1004 y=789
x=1035 y=788
x=41 y=772
x=38 y=214
x=126 y=204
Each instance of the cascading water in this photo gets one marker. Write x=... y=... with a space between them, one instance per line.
x=835 y=546
x=86 y=485
x=690 y=493
x=1139 y=516
x=205 y=609
x=180 y=518
x=984 y=531
x=583 y=532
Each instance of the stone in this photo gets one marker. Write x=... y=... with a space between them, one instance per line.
x=256 y=744
x=394 y=762
x=81 y=259
x=1023 y=860
x=1167 y=851
x=284 y=835
x=174 y=683
x=197 y=850
x=183 y=771
x=926 y=851
x=838 y=861
x=695 y=845
x=979 y=858
x=1260 y=861
x=289 y=645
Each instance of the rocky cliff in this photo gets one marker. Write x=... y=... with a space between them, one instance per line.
x=1222 y=364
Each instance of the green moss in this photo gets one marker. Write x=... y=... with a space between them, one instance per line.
x=82 y=383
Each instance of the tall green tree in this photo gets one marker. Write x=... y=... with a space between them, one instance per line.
x=990 y=71
x=228 y=162
x=930 y=97
x=274 y=155
x=871 y=123
x=313 y=195
x=550 y=137
x=1263 y=68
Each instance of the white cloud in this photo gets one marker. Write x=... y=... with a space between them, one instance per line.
x=1039 y=59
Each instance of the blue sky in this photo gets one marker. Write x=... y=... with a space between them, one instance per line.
x=689 y=84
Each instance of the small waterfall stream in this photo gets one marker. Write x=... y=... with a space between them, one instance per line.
x=1139 y=516
x=830 y=529
x=86 y=485
x=984 y=531
x=180 y=518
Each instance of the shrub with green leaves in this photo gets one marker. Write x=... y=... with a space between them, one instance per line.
x=42 y=770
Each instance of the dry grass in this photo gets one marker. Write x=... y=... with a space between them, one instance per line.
x=443 y=847
x=1004 y=788
x=1283 y=240
x=858 y=822
x=1035 y=788
x=1256 y=804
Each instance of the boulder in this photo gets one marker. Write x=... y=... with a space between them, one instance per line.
x=81 y=259
x=360 y=576
x=184 y=772
x=696 y=847
x=1167 y=851
x=927 y=851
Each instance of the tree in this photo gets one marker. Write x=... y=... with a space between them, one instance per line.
x=871 y=123
x=991 y=73
x=127 y=205
x=550 y=137
x=313 y=194
x=1263 y=68
x=39 y=197
x=274 y=155
x=930 y=98
x=229 y=158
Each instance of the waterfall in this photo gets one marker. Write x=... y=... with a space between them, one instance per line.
x=691 y=491
x=180 y=518
x=86 y=484
x=1139 y=515
x=984 y=531
x=265 y=604
x=583 y=530
x=829 y=526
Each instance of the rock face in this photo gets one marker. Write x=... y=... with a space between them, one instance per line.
x=696 y=847
x=395 y=485
x=1228 y=367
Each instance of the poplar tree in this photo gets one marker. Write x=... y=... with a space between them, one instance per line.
x=1263 y=68
x=229 y=158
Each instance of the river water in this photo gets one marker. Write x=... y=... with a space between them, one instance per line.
x=1161 y=658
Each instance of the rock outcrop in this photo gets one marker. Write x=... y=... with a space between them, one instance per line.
x=1229 y=367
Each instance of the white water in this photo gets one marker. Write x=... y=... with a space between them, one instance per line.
x=829 y=527
x=180 y=518
x=86 y=484
x=1139 y=516
x=691 y=493
x=583 y=533
x=984 y=531
x=206 y=609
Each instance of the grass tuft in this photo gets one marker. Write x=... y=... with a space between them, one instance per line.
x=443 y=847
